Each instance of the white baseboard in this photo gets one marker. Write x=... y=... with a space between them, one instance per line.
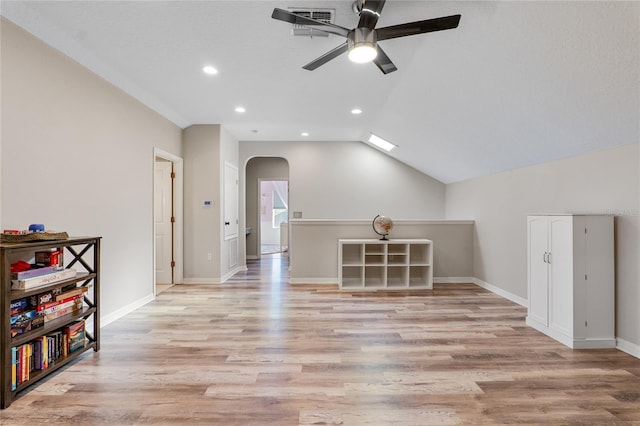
x=628 y=347
x=500 y=292
x=109 y=318
x=492 y=288
x=216 y=280
x=252 y=257
x=200 y=281
x=452 y=280
x=313 y=281
x=230 y=274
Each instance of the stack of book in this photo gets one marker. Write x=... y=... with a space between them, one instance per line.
x=45 y=351
x=29 y=313
x=39 y=277
x=47 y=269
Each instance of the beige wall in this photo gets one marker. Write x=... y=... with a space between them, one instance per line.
x=314 y=246
x=77 y=155
x=206 y=147
x=351 y=180
x=604 y=182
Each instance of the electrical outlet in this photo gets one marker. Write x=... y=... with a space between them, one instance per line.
x=297 y=215
x=209 y=256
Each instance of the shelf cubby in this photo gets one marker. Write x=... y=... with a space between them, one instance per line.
x=352 y=276
x=382 y=265
x=397 y=276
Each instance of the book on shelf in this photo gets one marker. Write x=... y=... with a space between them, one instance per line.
x=25 y=321
x=42 y=280
x=75 y=334
x=72 y=309
x=71 y=293
x=34 y=272
x=14 y=365
x=51 y=307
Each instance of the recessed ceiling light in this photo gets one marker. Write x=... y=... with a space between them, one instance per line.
x=240 y=109
x=356 y=111
x=381 y=143
x=304 y=134
x=209 y=70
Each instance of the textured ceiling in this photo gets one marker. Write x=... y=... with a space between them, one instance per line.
x=518 y=83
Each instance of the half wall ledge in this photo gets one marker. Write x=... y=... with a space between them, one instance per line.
x=313 y=245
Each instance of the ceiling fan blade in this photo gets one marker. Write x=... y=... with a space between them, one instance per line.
x=327 y=57
x=370 y=13
x=292 y=18
x=383 y=62
x=419 y=27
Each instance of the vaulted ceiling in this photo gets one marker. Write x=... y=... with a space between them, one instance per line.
x=517 y=83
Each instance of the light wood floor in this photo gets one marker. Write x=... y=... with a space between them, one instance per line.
x=258 y=351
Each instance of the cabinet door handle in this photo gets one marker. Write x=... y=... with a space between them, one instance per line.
x=544 y=257
x=226 y=223
x=548 y=257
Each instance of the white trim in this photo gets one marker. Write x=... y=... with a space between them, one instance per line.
x=201 y=281
x=628 y=347
x=573 y=343
x=367 y=222
x=251 y=257
x=109 y=318
x=451 y=280
x=217 y=280
x=500 y=292
x=231 y=273
x=313 y=281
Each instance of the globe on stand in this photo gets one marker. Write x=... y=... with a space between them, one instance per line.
x=382 y=225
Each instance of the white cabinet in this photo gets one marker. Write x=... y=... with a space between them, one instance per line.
x=385 y=264
x=571 y=279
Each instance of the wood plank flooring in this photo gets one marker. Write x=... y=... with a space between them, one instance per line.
x=259 y=351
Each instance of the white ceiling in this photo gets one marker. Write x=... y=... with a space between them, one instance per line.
x=517 y=83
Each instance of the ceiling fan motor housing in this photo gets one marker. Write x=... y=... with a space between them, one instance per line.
x=362 y=37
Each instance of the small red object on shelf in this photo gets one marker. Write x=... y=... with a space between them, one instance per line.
x=20 y=266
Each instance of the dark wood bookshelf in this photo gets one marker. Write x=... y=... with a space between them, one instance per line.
x=80 y=253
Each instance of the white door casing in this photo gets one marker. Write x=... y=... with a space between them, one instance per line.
x=230 y=207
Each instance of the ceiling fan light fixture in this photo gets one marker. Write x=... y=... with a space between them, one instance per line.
x=362 y=45
x=365 y=52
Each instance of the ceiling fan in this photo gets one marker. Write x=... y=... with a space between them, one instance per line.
x=362 y=41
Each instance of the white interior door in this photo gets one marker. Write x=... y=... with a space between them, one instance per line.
x=162 y=214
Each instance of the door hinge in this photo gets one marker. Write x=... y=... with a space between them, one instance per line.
x=173 y=263
x=585 y=230
x=585 y=277
x=173 y=175
x=585 y=323
x=173 y=219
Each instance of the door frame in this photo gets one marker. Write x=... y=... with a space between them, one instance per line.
x=178 y=208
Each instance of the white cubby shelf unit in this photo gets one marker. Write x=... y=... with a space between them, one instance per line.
x=371 y=264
